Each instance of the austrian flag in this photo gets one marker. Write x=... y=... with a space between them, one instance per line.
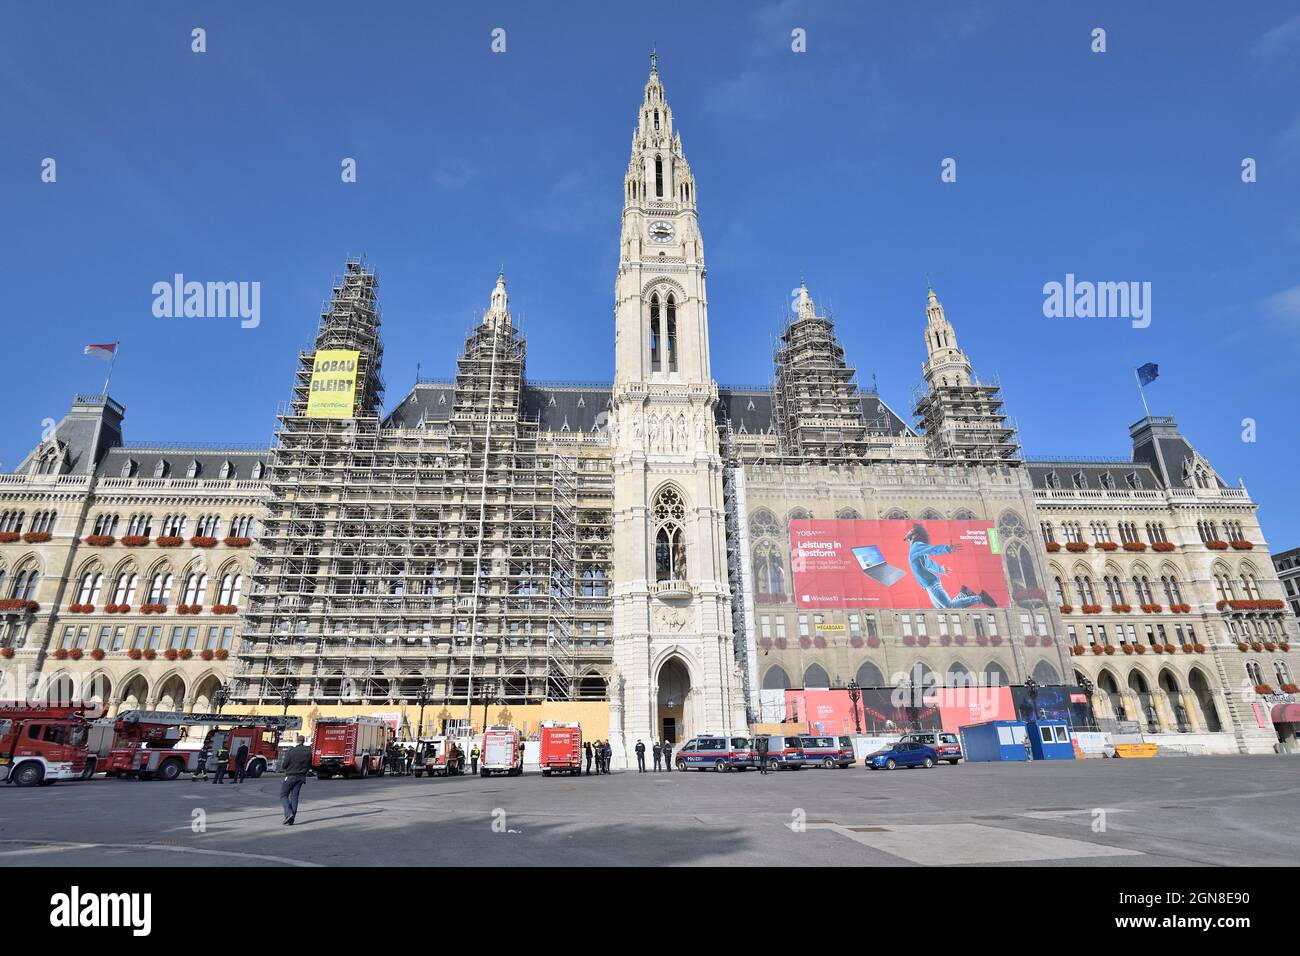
x=105 y=352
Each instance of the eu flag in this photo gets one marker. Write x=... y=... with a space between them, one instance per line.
x=1148 y=373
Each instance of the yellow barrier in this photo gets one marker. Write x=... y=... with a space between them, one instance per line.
x=1135 y=750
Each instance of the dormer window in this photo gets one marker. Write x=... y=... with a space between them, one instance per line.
x=1134 y=480
x=227 y=470
x=128 y=468
x=160 y=470
x=257 y=470
x=193 y=470
x=1080 y=480
x=1052 y=480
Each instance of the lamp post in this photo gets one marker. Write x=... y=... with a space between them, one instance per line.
x=1031 y=688
x=422 y=698
x=1089 y=689
x=855 y=695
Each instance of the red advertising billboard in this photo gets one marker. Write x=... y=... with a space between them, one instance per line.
x=904 y=565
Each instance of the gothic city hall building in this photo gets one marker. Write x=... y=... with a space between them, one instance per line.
x=658 y=557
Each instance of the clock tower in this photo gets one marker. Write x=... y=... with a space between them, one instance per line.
x=674 y=671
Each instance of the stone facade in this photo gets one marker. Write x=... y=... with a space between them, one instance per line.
x=489 y=540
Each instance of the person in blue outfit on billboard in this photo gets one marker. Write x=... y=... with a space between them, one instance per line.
x=926 y=570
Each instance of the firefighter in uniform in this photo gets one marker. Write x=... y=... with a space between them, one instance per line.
x=473 y=759
x=223 y=758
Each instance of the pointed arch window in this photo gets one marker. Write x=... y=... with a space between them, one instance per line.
x=659 y=177
x=655 y=361
x=671 y=309
x=670 y=537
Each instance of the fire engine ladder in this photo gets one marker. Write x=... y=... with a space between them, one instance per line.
x=176 y=718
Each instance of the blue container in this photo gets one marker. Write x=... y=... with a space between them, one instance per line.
x=1050 y=739
x=994 y=740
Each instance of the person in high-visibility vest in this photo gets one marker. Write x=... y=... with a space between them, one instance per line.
x=473 y=759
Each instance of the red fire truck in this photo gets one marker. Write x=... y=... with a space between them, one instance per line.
x=561 y=749
x=502 y=751
x=39 y=745
x=157 y=744
x=349 y=746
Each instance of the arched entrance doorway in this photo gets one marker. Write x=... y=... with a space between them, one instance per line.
x=672 y=711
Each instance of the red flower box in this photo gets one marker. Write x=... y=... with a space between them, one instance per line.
x=97 y=653
x=1241 y=545
x=171 y=654
x=1270 y=646
x=1189 y=648
x=1243 y=646
x=1077 y=650
x=1217 y=545
x=1285 y=645
x=135 y=540
x=923 y=641
x=234 y=542
x=1098 y=649
x=36 y=537
x=1140 y=649
x=1053 y=546
x=206 y=654
x=819 y=642
x=203 y=542
x=805 y=643
x=6 y=652
x=909 y=640
x=1263 y=689
x=16 y=604
x=961 y=640
x=1200 y=648
x=873 y=642
x=81 y=608
x=982 y=641
x=1163 y=546
x=1121 y=608
x=1291 y=688
x=765 y=643
x=135 y=653
x=1092 y=609
x=1257 y=645
x=153 y=608
x=222 y=654
x=1067 y=608
x=944 y=640
x=169 y=541
x=1031 y=641
x=1158 y=648
x=186 y=654
x=150 y=653
x=855 y=641
x=1170 y=649
x=1134 y=546
x=9 y=537
x=995 y=640
x=60 y=655
x=1077 y=547
x=99 y=540
x=1110 y=649
x=75 y=654
x=1107 y=546
x=1153 y=608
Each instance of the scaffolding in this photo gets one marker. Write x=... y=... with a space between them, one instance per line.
x=437 y=563
x=816 y=404
x=965 y=422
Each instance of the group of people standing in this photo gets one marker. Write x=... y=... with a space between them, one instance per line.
x=601 y=752
x=663 y=755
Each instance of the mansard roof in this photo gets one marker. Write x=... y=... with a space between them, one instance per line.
x=580 y=406
x=146 y=456
x=1096 y=472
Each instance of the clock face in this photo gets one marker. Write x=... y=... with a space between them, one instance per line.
x=661 y=231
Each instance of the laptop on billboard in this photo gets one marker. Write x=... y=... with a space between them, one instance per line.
x=873 y=564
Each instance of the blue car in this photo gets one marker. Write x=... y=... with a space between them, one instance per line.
x=903 y=754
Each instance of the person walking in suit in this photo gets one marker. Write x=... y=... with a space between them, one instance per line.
x=640 y=757
x=297 y=761
x=658 y=752
x=241 y=763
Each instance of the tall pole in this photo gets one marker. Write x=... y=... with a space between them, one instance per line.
x=1142 y=393
x=111 y=362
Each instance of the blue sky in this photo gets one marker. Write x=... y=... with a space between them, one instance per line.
x=1122 y=166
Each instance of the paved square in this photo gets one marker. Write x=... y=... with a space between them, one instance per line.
x=949 y=844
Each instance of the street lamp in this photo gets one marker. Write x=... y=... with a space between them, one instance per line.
x=1031 y=688
x=855 y=695
x=422 y=698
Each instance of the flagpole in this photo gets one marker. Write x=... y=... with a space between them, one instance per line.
x=111 y=363
x=1142 y=392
